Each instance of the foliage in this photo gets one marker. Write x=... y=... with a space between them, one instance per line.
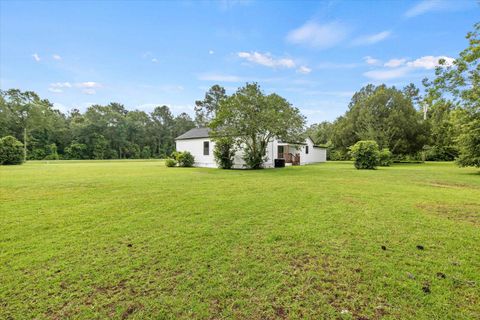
x=254 y=118
x=76 y=151
x=321 y=133
x=100 y=147
x=224 y=152
x=11 y=151
x=460 y=82
x=169 y=162
x=385 y=158
x=132 y=151
x=52 y=152
x=365 y=154
x=184 y=159
x=384 y=114
x=146 y=153
x=206 y=109
x=107 y=131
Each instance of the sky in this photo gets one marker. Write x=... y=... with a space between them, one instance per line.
x=149 y=53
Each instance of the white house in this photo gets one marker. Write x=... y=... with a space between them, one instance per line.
x=197 y=141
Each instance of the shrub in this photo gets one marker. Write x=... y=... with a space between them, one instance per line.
x=185 y=159
x=224 y=152
x=385 y=158
x=365 y=154
x=169 y=162
x=11 y=151
x=131 y=151
x=52 y=152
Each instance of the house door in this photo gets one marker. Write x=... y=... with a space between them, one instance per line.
x=280 y=152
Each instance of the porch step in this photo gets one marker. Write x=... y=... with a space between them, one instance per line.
x=288 y=164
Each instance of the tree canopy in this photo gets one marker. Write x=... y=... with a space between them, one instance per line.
x=101 y=132
x=253 y=118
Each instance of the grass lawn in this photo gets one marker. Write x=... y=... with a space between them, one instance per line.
x=134 y=239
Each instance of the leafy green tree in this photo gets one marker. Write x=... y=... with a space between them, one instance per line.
x=253 y=119
x=52 y=152
x=385 y=115
x=100 y=147
x=146 y=153
x=460 y=81
x=76 y=151
x=321 y=133
x=161 y=131
x=24 y=113
x=11 y=151
x=132 y=151
x=206 y=109
x=181 y=124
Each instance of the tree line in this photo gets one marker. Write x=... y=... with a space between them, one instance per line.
x=101 y=132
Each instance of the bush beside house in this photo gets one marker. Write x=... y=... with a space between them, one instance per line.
x=182 y=159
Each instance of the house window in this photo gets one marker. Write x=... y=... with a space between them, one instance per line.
x=306 y=149
x=206 y=148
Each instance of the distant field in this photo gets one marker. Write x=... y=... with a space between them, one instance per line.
x=133 y=239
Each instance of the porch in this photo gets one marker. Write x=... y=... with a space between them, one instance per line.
x=289 y=153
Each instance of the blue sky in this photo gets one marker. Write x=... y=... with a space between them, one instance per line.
x=148 y=53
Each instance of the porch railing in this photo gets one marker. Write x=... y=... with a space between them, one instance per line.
x=294 y=159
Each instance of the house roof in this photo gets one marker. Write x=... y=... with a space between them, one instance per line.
x=199 y=133
x=194 y=133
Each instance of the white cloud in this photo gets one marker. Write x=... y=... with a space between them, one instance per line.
x=219 y=77
x=316 y=35
x=57 y=87
x=429 y=62
x=437 y=5
x=61 y=85
x=371 y=61
x=394 y=63
x=387 y=74
x=265 y=59
x=88 y=84
x=56 y=57
x=304 y=70
x=371 y=39
x=36 y=57
x=397 y=68
x=211 y=52
x=154 y=60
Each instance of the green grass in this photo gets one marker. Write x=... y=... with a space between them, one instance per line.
x=133 y=239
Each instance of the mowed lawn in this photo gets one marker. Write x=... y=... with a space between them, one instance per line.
x=134 y=239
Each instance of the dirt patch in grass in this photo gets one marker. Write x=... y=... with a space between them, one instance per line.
x=469 y=212
x=342 y=288
x=451 y=185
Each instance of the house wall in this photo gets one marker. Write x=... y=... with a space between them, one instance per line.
x=314 y=155
x=195 y=147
